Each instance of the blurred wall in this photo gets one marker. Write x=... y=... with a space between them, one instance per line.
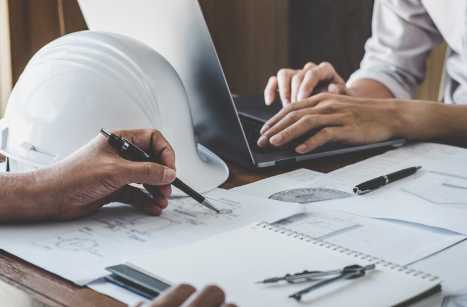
x=34 y=23
x=6 y=81
x=251 y=39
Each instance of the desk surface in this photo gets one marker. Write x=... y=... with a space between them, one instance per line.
x=56 y=291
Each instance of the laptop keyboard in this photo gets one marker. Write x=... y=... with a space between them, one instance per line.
x=252 y=130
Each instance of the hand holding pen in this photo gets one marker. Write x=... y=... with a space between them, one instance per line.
x=126 y=146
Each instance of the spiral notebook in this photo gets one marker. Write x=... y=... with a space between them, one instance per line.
x=237 y=260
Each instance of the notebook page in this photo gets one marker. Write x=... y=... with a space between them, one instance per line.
x=236 y=260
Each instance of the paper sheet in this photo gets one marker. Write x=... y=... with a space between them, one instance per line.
x=457 y=299
x=434 y=196
x=80 y=250
x=267 y=187
x=451 y=267
x=236 y=261
x=395 y=241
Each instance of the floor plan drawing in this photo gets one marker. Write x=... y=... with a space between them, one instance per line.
x=81 y=249
x=319 y=226
x=439 y=188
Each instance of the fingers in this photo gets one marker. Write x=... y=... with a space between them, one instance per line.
x=152 y=142
x=165 y=190
x=296 y=85
x=159 y=196
x=211 y=296
x=297 y=80
x=338 y=89
x=174 y=297
x=138 y=199
x=320 y=73
x=325 y=135
x=146 y=173
x=287 y=132
x=295 y=107
x=270 y=91
x=284 y=78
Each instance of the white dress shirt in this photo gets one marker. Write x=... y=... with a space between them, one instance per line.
x=404 y=32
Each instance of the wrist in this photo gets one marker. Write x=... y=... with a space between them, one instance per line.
x=47 y=192
x=414 y=119
x=400 y=118
x=17 y=199
x=26 y=198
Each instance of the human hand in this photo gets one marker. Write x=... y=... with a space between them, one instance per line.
x=96 y=175
x=296 y=85
x=334 y=118
x=182 y=295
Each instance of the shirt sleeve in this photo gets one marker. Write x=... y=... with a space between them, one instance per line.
x=403 y=35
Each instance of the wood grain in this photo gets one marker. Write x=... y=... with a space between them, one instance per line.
x=334 y=31
x=35 y=23
x=48 y=288
x=6 y=81
x=251 y=40
x=429 y=89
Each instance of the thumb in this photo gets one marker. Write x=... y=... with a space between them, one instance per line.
x=149 y=173
x=338 y=89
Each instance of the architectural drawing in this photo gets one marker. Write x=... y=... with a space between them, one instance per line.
x=439 y=188
x=319 y=226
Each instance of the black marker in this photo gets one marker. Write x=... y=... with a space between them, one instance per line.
x=381 y=181
x=136 y=153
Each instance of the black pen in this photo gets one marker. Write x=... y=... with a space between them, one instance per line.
x=136 y=153
x=381 y=181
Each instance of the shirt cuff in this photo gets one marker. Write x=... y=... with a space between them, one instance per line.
x=389 y=82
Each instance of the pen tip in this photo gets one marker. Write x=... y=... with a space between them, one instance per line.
x=418 y=167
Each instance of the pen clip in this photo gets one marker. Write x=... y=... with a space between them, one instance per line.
x=366 y=191
x=125 y=147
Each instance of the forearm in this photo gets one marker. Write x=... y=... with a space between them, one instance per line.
x=25 y=197
x=368 y=88
x=426 y=120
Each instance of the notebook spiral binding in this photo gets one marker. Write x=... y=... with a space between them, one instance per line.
x=301 y=236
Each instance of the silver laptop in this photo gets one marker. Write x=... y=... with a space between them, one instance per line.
x=229 y=127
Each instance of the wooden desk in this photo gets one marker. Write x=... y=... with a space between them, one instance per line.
x=56 y=291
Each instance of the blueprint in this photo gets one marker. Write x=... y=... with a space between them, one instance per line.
x=440 y=188
x=397 y=242
x=434 y=196
x=80 y=250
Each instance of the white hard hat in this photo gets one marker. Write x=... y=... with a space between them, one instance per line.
x=85 y=81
